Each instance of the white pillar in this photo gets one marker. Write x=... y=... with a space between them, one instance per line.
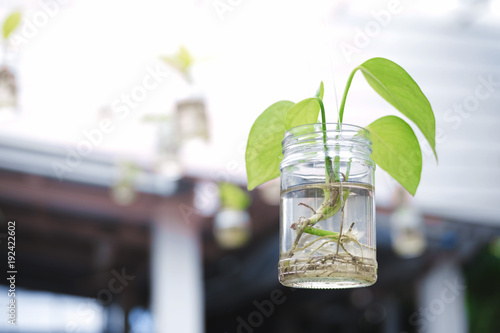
x=176 y=273
x=441 y=301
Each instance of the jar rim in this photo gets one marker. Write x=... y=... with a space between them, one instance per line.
x=318 y=132
x=321 y=139
x=329 y=127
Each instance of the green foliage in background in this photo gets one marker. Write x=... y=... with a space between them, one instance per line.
x=233 y=197
x=483 y=290
x=10 y=24
x=182 y=61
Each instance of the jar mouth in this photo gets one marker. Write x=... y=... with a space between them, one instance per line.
x=315 y=132
x=318 y=127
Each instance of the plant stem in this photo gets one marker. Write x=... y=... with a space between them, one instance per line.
x=346 y=176
x=344 y=97
x=341 y=221
x=328 y=160
x=321 y=232
x=341 y=118
x=334 y=198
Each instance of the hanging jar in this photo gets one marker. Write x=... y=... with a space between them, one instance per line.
x=327 y=208
x=8 y=83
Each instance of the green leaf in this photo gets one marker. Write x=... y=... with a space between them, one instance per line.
x=233 y=196
x=397 y=87
x=181 y=61
x=264 y=153
x=397 y=151
x=304 y=112
x=321 y=90
x=10 y=24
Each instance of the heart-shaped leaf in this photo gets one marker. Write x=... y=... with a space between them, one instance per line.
x=263 y=154
x=397 y=87
x=304 y=112
x=397 y=151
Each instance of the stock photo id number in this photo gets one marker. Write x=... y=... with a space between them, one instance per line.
x=11 y=272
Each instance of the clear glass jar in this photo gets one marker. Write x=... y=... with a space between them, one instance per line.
x=9 y=84
x=327 y=232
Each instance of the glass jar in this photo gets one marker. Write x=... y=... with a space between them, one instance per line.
x=327 y=208
x=9 y=82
